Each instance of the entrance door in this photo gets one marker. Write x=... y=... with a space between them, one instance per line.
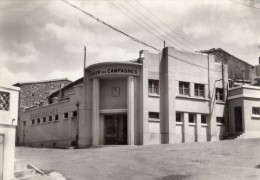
x=1 y=155
x=238 y=119
x=115 y=129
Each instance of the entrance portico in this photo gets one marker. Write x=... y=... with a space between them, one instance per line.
x=113 y=104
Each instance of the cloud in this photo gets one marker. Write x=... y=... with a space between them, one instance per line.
x=71 y=75
x=9 y=78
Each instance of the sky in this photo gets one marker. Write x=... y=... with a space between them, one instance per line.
x=45 y=39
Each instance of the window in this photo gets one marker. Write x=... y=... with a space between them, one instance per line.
x=50 y=118
x=153 y=86
x=256 y=111
x=219 y=94
x=56 y=117
x=220 y=120
x=33 y=121
x=44 y=119
x=178 y=117
x=66 y=115
x=191 y=118
x=154 y=115
x=184 y=88
x=199 y=90
x=203 y=119
x=74 y=114
x=38 y=120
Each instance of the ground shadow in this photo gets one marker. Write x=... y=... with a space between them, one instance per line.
x=174 y=177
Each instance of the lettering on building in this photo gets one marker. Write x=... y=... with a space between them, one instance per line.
x=107 y=71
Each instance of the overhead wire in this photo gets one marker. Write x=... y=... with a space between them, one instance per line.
x=169 y=41
x=133 y=38
x=169 y=28
x=245 y=5
x=173 y=43
x=150 y=20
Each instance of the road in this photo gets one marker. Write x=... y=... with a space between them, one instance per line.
x=231 y=159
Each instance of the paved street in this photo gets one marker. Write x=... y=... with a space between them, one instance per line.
x=233 y=159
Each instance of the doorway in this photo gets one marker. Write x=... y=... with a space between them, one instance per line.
x=238 y=119
x=1 y=155
x=115 y=129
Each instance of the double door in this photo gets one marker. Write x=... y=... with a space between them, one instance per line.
x=115 y=129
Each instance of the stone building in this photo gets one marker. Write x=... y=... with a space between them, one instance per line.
x=32 y=93
x=239 y=71
x=164 y=98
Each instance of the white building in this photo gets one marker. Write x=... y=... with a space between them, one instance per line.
x=171 y=97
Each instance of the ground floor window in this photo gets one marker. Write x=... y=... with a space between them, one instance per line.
x=191 y=118
x=154 y=115
x=33 y=121
x=66 y=115
x=256 y=111
x=44 y=119
x=38 y=120
x=178 y=117
x=74 y=114
x=203 y=119
x=221 y=120
x=56 y=117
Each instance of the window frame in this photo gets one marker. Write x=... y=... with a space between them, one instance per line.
x=44 y=119
x=56 y=117
x=156 y=118
x=256 y=111
x=50 y=118
x=73 y=115
x=153 y=86
x=219 y=94
x=178 y=120
x=222 y=121
x=182 y=88
x=38 y=120
x=193 y=118
x=199 y=90
x=33 y=121
x=201 y=120
x=66 y=114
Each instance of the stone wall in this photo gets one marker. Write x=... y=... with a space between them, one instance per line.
x=236 y=67
x=36 y=92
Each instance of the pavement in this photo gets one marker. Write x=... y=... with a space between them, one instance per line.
x=227 y=160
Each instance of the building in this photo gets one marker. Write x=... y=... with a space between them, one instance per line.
x=164 y=98
x=244 y=110
x=239 y=71
x=34 y=93
x=9 y=113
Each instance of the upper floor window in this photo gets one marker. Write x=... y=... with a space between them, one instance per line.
x=44 y=119
x=50 y=118
x=184 y=88
x=153 y=86
x=256 y=111
x=33 y=121
x=219 y=94
x=199 y=90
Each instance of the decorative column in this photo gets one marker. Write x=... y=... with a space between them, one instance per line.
x=130 y=110
x=95 y=112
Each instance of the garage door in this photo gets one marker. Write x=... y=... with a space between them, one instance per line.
x=1 y=156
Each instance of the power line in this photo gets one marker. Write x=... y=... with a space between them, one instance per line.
x=245 y=5
x=173 y=44
x=144 y=23
x=160 y=20
x=155 y=24
x=135 y=20
x=110 y=26
x=132 y=38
